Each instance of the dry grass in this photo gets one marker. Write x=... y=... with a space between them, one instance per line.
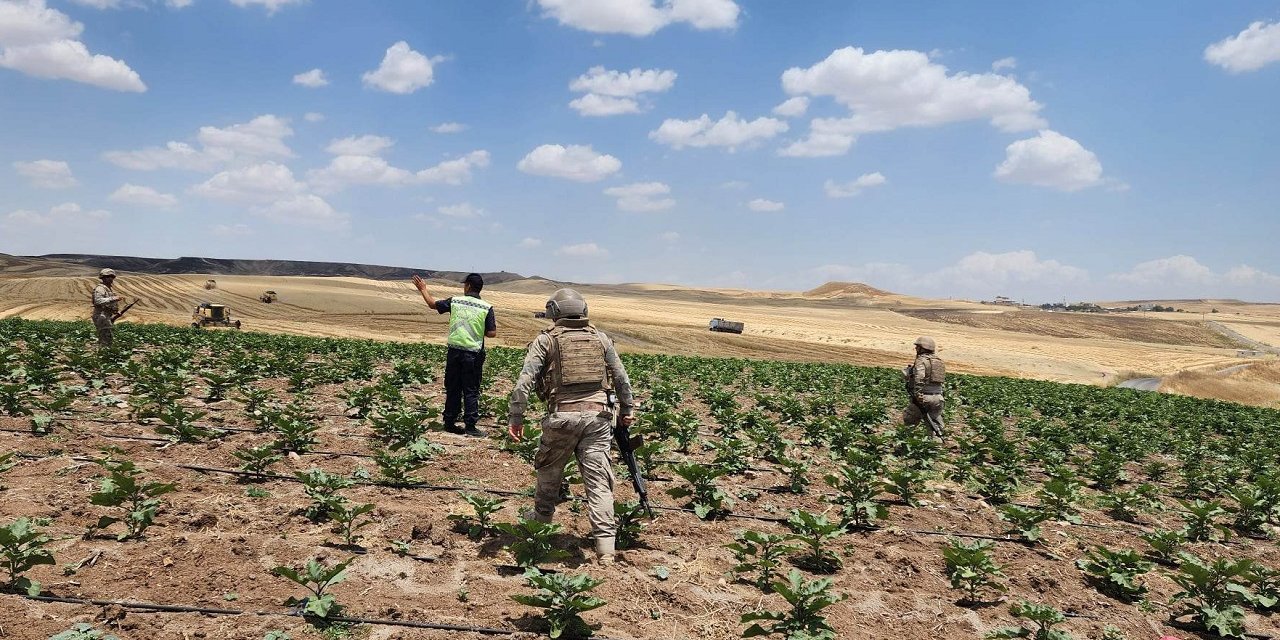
x=1258 y=385
x=1086 y=325
x=841 y=324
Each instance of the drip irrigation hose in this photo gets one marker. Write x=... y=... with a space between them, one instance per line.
x=173 y=608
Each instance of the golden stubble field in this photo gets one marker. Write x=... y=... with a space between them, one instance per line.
x=845 y=323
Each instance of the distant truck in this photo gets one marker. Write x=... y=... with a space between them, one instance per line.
x=721 y=325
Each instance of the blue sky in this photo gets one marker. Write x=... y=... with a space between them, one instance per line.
x=1036 y=150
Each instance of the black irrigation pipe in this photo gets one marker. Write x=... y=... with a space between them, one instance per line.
x=173 y=608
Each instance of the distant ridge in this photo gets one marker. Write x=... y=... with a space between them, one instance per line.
x=226 y=266
x=842 y=289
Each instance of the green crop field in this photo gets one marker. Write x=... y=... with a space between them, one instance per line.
x=245 y=485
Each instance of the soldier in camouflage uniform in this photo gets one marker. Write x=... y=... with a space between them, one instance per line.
x=925 y=379
x=105 y=307
x=576 y=371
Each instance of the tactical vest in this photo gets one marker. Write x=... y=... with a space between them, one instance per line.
x=466 y=322
x=936 y=373
x=575 y=364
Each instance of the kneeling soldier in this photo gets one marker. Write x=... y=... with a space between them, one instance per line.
x=575 y=370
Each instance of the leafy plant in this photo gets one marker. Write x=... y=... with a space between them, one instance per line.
x=705 y=498
x=1116 y=573
x=534 y=541
x=1023 y=521
x=760 y=554
x=322 y=488
x=733 y=456
x=1058 y=498
x=124 y=488
x=814 y=530
x=1165 y=544
x=1043 y=616
x=346 y=521
x=22 y=548
x=563 y=597
x=7 y=462
x=1202 y=524
x=630 y=518
x=317 y=579
x=969 y=567
x=480 y=524
x=1127 y=505
x=857 y=484
x=796 y=467
x=294 y=426
x=804 y=620
x=1253 y=509
x=179 y=424
x=257 y=459
x=397 y=468
x=1213 y=592
x=82 y=631
x=905 y=483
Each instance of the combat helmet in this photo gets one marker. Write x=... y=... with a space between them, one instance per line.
x=107 y=273
x=926 y=343
x=566 y=303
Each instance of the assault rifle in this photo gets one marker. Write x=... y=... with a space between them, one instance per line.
x=126 y=308
x=627 y=445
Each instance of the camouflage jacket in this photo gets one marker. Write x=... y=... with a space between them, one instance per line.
x=104 y=300
x=535 y=362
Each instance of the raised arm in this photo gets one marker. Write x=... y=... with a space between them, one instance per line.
x=422 y=288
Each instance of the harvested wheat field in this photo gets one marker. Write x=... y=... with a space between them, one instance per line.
x=839 y=322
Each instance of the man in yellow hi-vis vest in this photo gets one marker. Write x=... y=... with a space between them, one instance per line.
x=471 y=320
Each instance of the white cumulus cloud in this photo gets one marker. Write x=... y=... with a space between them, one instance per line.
x=575 y=162
x=1176 y=269
x=449 y=127
x=609 y=92
x=1255 y=47
x=402 y=71
x=642 y=196
x=44 y=43
x=312 y=116
x=583 y=250
x=641 y=17
x=792 y=107
x=530 y=243
x=64 y=216
x=47 y=174
x=142 y=196
x=1004 y=64
x=729 y=131
x=271 y=6
x=456 y=171
x=359 y=146
x=305 y=210
x=766 y=206
x=1050 y=160
x=850 y=189
x=313 y=79
x=370 y=170
x=261 y=137
x=990 y=273
x=463 y=210
x=259 y=183
x=887 y=90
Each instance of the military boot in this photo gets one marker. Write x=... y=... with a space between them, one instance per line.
x=605 y=551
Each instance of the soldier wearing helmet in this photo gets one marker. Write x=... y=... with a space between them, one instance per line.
x=105 y=307
x=925 y=380
x=575 y=369
x=471 y=320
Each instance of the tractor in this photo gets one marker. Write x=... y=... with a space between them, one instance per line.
x=268 y=297
x=217 y=315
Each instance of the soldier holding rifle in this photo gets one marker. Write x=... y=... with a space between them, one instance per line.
x=576 y=370
x=925 y=379
x=106 y=308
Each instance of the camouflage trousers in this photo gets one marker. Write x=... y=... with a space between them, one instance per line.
x=588 y=436
x=106 y=332
x=928 y=408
